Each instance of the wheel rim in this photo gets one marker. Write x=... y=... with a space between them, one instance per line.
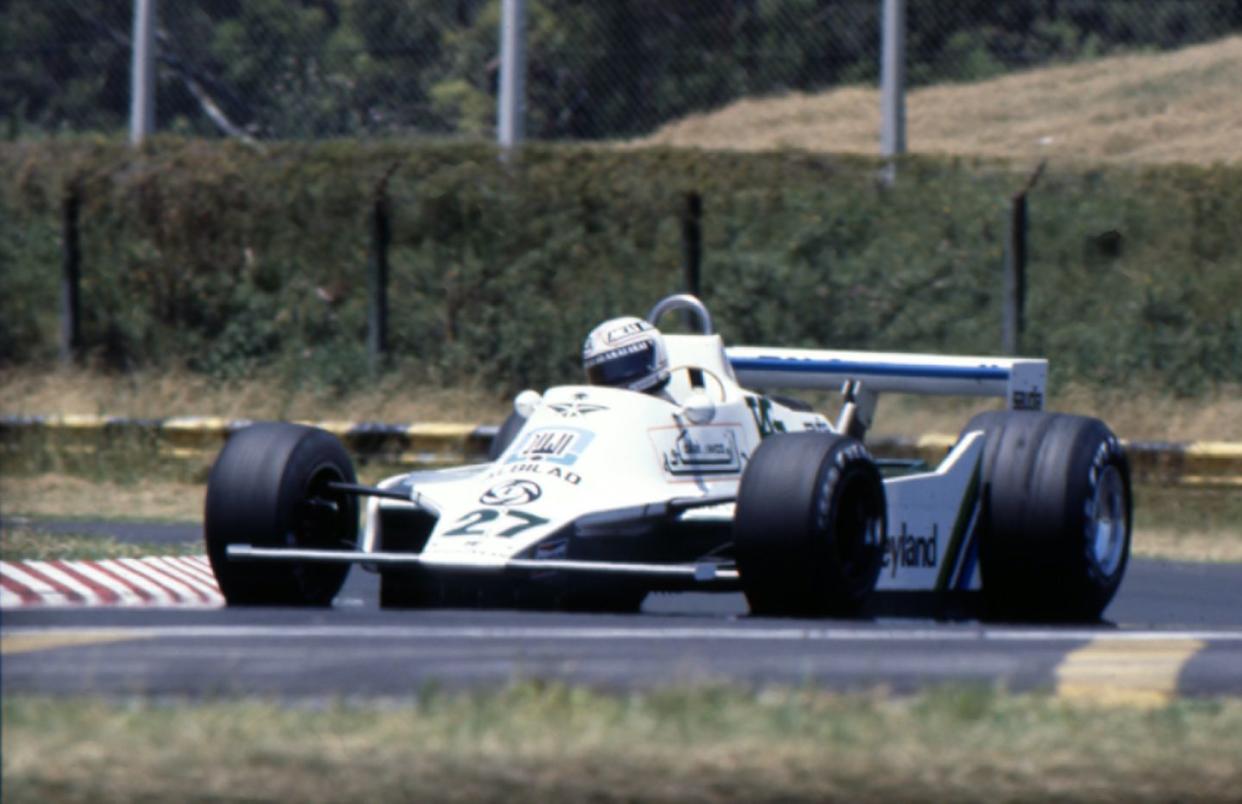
x=1107 y=527
x=318 y=520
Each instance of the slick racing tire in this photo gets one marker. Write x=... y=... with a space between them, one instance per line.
x=505 y=435
x=1056 y=516
x=809 y=526
x=268 y=488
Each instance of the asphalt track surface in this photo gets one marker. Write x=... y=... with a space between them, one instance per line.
x=1190 y=612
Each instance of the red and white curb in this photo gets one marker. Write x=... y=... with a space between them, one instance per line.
x=172 y=581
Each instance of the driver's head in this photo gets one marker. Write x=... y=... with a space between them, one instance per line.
x=626 y=353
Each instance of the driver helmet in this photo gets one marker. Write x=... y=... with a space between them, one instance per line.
x=628 y=353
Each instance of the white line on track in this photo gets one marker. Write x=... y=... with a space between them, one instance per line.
x=638 y=634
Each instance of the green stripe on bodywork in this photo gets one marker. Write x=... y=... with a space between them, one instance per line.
x=965 y=511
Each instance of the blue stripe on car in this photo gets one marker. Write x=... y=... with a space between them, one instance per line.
x=809 y=366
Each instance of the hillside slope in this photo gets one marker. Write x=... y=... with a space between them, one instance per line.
x=1179 y=106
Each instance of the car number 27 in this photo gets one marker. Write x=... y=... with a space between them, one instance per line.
x=478 y=523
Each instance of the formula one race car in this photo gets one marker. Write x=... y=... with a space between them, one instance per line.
x=598 y=494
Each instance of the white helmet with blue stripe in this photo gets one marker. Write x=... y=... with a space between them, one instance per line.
x=628 y=353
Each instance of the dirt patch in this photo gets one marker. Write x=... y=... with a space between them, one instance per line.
x=1179 y=106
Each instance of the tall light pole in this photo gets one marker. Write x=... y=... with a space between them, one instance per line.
x=142 y=74
x=511 y=103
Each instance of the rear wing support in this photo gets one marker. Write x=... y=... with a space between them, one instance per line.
x=1022 y=382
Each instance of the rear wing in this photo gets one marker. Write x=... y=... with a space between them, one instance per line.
x=1021 y=381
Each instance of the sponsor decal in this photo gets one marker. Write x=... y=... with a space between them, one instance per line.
x=555 y=445
x=906 y=550
x=540 y=469
x=699 y=451
x=625 y=331
x=512 y=492
x=1028 y=400
x=478 y=523
x=577 y=408
x=761 y=410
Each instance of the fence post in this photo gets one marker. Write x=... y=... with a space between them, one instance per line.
x=692 y=242
x=1013 y=305
x=511 y=97
x=893 y=85
x=142 y=73
x=377 y=274
x=70 y=277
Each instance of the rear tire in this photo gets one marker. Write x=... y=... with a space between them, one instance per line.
x=1056 y=517
x=809 y=525
x=268 y=488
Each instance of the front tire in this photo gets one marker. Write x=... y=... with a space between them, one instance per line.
x=810 y=520
x=1056 y=518
x=269 y=488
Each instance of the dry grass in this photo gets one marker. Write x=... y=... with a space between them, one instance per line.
x=1177 y=545
x=29 y=543
x=62 y=496
x=172 y=393
x=538 y=742
x=1180 y=106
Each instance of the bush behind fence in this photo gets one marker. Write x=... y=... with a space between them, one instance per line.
x=230 y=260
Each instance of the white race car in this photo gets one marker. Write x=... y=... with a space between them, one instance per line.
x=598 y=495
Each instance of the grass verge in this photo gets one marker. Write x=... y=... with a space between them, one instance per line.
x=68 y=496
x=537 y=742
x=30 y=543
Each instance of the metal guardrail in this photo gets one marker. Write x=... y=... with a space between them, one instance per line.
x=1191 y=463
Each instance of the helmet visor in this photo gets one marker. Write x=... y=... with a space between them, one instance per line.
x=623 y=366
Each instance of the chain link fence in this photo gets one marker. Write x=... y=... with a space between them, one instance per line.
x=302 y=69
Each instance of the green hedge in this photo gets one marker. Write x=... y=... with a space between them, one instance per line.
x=218 y=257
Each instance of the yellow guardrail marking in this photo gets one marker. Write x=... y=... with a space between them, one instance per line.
x=84 y=421
x=28 y=643
x=440 y=430
x=1114 y=672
